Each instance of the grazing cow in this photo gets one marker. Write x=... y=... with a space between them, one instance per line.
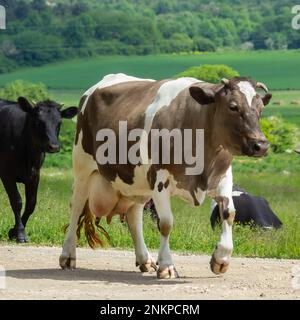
x=250 y=210
x=26 y=133
x=229 y=113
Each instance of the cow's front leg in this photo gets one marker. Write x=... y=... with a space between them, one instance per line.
x=135 y=223
x=31 y=189
x=221 y=257
x=162 y=203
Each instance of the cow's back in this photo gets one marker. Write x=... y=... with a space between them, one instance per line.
x=107 y=106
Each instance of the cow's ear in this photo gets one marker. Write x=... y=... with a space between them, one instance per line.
x=69 y=113
x=202 y=96
x=25 y=104
x=267 y=98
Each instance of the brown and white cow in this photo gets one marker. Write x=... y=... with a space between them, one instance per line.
x=229 y=115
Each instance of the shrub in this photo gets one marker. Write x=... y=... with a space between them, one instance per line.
x=210 y=73
x=282 y=135
x=31 y=91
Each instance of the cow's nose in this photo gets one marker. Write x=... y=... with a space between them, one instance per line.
x=260 y=148
x=53 y=148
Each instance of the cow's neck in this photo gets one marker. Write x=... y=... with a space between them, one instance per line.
x=35 y=155
x=216 y=158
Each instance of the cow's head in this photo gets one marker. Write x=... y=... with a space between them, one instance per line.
x=238 y=108
x=46 y=120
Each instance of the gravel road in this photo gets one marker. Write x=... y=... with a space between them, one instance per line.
x=33 y=273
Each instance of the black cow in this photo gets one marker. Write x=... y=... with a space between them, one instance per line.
x=251 y=210
x=27 y=132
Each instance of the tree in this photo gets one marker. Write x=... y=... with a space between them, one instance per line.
x=203 y=44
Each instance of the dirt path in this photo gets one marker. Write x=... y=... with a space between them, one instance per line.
x=33 y=273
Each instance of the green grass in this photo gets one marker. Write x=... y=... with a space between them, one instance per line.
x=192 y=232
x=279 y=69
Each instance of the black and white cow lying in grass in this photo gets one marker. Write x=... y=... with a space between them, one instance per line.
x=250 y=210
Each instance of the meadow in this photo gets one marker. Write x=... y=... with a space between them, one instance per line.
x=275 y=177
x=192 y=231
x=279 y=69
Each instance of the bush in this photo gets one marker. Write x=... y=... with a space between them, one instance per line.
x=31 y=91
x=210 y=73
x=282 y=135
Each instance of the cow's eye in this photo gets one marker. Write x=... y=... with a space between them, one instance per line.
x=233 y=107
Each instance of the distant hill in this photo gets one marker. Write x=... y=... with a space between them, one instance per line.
x=40 y=32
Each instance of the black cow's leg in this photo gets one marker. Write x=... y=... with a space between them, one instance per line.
x=31 y=189
x=18 y=231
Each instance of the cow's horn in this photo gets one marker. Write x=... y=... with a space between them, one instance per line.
x=262 y=86
x=225 y=81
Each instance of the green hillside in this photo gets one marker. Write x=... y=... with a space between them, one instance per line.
x=279 y=69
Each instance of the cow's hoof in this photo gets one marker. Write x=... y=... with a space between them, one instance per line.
x=167 y=272
x=67 y=262
x=218 y=268
x=17 y=235
x=148 y=266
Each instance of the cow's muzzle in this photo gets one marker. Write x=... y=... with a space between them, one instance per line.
x=256 y=148
x=53 y=148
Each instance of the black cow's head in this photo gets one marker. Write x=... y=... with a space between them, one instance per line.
x=46 y=117
x=238 y=110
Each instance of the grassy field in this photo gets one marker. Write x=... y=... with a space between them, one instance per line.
x=267 y=66
x=192 y=232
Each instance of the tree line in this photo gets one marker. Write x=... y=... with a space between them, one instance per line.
x=40 y=31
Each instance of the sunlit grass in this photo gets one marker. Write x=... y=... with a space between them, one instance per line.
x=192 y=231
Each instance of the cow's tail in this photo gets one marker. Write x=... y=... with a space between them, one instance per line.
x=91 y=226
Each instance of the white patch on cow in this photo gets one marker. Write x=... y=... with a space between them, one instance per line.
x=163 y=207
x=108 y=81
x=225 y=188
x=165 y=95
x=140 y=186
x=81 y=159
x=237 y=193
x=247 y=89
x=200 y=195
x=213 y=205
x=224 y=249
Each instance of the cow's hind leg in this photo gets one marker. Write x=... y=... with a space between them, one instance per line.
x=67 y=259
x=161 y=198
x=135 y=224
x=18 y=231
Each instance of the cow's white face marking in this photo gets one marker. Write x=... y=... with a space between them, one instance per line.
x=247 y=89
x=165 y=95
x=107 y=81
